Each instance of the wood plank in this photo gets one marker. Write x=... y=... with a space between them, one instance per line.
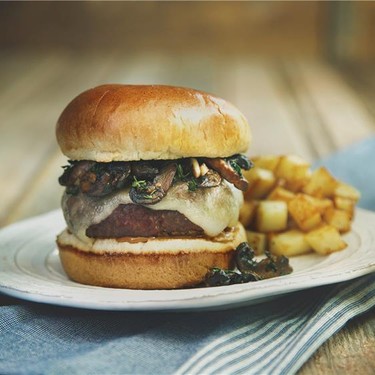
x=352 y=31
x=28 y=129
x=361 y=78
x=258 y=27
x=342 y=114
x=43 y=193
x=260 y=94
x=350 y=351
x=137 y=68
x=189 y=70
x=15 y=68
x=307 y=113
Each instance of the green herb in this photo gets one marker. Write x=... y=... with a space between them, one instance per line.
x=236 y=167
x=179 y=172
x=180 y=175
x=139 y=184
x=186 y=177
x=192 y=184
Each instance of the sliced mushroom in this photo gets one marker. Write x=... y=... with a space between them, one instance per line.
x=195 y=167
x=144 y=170
x=148 y=194
x=245 y=258
x=74 y=172
x=153 y=192
x=105 y=178
x=209 y=179
x=165 y=178
x=204 y=169
x=226 y=171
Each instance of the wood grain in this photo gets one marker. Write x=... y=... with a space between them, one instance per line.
x=258 y=27
x=346 y=119
x=260 y=94
x=350 y=351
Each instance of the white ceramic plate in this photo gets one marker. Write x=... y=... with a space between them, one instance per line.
x=30 y=269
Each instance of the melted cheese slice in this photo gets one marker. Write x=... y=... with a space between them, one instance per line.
x=213 y=209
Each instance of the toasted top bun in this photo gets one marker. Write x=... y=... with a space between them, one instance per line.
x=139 y=122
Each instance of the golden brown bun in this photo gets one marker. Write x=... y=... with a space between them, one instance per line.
x=151 y=269
x=133 y=122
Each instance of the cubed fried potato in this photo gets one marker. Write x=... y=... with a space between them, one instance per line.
x=269 y=162
x=339 y=219
x=289 y=243
x=258 y=241
x=247 y=212
x=291 y=210
x=261 y=182
x=322 y=204
x=343 y=190
x=292 y=224
x=272 y=216
x=304 y=213
x=345 y=204
x=294 y=170
x=280 y=194
x=321 y=185
x=325 y=240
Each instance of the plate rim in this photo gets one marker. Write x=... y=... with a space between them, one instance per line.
x=231 y=296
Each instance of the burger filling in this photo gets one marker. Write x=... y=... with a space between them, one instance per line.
x=186 y=197
x=133 y=220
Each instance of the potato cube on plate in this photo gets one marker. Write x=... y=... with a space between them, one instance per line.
x=346 y=191
x=322 y=184
x=322 y=204
x=247 y=212
x=261 y=182
x=272 y=216
x=339 y=219
x=269 y=162
x=304 y=212
x=280 y=194
x=325 y=240
x=294 y=170
x=345 y=204
x=289 y=243
x=258 y=241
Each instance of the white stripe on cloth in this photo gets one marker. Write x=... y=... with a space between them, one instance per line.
x=259 y=331
x=314 y=332
x=281 y=343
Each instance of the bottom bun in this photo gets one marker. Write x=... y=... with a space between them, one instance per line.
x=124 y=265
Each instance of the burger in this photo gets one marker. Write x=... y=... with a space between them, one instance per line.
x=153 y=185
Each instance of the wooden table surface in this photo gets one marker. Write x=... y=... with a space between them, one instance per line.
x=311 y=108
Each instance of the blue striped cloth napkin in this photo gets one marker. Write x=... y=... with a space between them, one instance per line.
x=275 y=337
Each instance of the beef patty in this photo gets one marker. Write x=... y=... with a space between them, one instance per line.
x=132 y=220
